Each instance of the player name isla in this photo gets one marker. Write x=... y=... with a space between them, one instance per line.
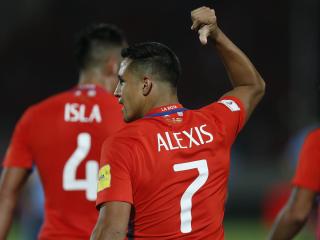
x=194 y=136
x=74 y=112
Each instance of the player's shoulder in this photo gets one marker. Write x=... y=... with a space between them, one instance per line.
x=53 y=99
x=131 y=130
x=123 y=137
x=98 y=94
x=314 y=135
x=315 y=132
x=226 y=109
x=42 y=104
x=46 y=105
x=230 y=103
x=130 y=133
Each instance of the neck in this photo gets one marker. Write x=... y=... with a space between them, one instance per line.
x=90 y=77
x=161 y=100
x=97 y=77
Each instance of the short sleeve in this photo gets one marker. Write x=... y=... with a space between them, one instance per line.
x=308 y=170
x=19 y=152
x=230 y=113
x=114 y=183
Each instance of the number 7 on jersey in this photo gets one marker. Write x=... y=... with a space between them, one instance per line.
x=186 y=199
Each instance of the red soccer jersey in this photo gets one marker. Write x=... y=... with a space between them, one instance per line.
x=173 y=167
x=62 y=137
x=308 y=170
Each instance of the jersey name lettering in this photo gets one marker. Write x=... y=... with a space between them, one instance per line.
x=74 y=112
x=186 y=139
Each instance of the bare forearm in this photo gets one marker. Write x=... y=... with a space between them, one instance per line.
x=113 y=221
x=11 y=182
x=239 y=68
x=286 y=226
x=7 y=205
x=107 y=233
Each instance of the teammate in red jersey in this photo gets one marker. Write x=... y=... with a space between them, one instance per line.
x=306 y=188
x=62 y=137
x=169 y=167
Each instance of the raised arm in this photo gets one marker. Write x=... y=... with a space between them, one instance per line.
x=247 y=83
x=12 y=180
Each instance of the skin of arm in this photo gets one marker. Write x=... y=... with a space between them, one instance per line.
x=12 y=181
x=113 y=221
x=247 y=83
x=294 y=214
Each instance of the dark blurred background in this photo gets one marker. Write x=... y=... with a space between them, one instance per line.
x=280 y=37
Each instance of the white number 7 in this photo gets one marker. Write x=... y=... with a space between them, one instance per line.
x=186 y=199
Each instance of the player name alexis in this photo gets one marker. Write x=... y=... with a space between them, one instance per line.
x=194 y=136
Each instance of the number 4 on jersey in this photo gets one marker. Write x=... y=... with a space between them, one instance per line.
x=186 y=199
x=89 y=184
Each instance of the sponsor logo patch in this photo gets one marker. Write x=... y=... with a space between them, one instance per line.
x=104 y=180
x=232 y=105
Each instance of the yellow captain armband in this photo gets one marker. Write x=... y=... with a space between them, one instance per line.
x=104 y=178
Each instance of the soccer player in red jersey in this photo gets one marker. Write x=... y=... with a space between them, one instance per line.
x=62 y=137
x=168 y=168
x=306 y=187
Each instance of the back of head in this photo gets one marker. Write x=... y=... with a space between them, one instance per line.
x=155 y=59
x=95 y=43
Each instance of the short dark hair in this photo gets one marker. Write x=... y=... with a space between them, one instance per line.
x=154 y=57
x=96 y=40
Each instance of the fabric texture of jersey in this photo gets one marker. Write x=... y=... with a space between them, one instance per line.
x=308 y=170
x=173 y=167
x=62 y=138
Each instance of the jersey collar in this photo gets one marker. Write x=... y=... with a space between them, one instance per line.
x=165 y=110
x=89 y=86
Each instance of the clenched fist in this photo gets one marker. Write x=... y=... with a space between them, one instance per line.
x=204 y=21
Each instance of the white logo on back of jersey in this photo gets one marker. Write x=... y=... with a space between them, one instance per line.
x=75 y=112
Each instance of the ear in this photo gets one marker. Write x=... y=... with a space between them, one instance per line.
x=147 y=86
